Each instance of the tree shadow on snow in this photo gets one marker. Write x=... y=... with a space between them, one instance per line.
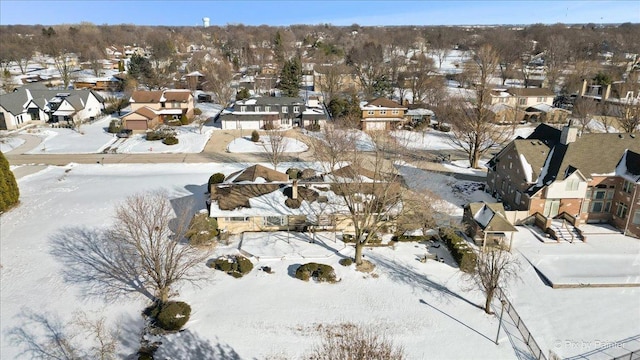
x=186 y=344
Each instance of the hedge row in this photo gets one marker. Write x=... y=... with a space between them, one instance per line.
x=460 y=250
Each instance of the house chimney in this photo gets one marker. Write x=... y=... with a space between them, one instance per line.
x=294 y=190
x=569 y=134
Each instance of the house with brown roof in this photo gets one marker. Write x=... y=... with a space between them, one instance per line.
x=487 y=224
x=261 y=199
x=560 y=175
x=382 y=114
x=167 y=104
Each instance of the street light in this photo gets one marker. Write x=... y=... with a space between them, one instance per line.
x=503 y=302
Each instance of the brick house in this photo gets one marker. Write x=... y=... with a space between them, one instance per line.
x=382 y=114
x=561 y=174
x=525 y=104
x=150 y=108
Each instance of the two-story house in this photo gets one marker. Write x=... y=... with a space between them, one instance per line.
x=561 y=174
x=382 y=114
x=273 y=113
x=150 y=108
x=525 y=104
x=36 y=103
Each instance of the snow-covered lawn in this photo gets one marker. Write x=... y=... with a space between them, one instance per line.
x=245 y=145
x=463 y=167
x=425 y=140
x=94 y=138
x=9 y=143
x=422 y=307
x=362 y=140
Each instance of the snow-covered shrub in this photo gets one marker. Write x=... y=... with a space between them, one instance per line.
x=170 y=140
x=319 y=272
x=235 y=265
x=460 y=250
x=346 y=261
x=169 y=316
x=202 y=230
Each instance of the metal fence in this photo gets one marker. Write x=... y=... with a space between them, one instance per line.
x=535 y=349
x=634 y=355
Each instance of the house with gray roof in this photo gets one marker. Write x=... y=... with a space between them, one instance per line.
x=560 y=175
x=273 y=113
x=36 y=103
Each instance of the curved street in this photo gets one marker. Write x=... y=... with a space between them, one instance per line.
x=215 y=151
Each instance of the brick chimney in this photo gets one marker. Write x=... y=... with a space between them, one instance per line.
x=569 y=133
x=294 y=190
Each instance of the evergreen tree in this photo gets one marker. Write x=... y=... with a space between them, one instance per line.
x=9 y=192
x=291 y=77
x=243 y=94
x=140 y=68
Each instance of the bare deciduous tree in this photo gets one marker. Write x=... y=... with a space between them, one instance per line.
x=142 y=252
x=368 y=65
x=218 y=75
x=583 y=111
x=44 y=336
x=275 y=146
x=331 y=79
x=471 y=120
x=494 y=268
x=349 y=341
x=334 y=145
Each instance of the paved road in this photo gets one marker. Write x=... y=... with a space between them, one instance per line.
x=215 y=151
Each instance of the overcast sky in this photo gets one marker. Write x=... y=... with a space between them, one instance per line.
x=190 y=13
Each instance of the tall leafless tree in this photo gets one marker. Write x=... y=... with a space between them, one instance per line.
x=583 y=111
x=218 y=76
x=350 y=341
x=275 y=146
x=144 y=251
x=471 y=120
x=494 y=268
x=367 y=62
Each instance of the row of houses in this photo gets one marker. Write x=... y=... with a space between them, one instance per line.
x=37 y=104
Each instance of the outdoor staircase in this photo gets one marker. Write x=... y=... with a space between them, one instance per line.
x=565 y=231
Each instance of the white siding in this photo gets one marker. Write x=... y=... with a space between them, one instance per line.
x=558 y=189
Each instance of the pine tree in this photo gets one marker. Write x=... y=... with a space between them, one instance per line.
x=290 y=77
x=9 y=192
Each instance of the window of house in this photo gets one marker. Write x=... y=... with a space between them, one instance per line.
x=237 y=219
x=274 y=220
x=296 y=109
x=589 y=193
x=267 y=108
x=162 y=104
x=510 y=165
x=585 y=206
x=522 y=101
x=600 y=194
x=572 y=184
x=257 y=109
x=518 y=197
x=243 y=109
x=627 y=187
x=541 y=99
x=610 y=194
x=284 y=109
x=636 y=218
x=504 y=185
x=370 y=112
x=395 y=112
x=383 y=112
x=175 y=104
x=607 y=206
x=596 y=206
x=284 y=121
x=621 y=210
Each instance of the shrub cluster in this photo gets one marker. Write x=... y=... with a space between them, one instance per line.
x=460 y=250
x=9 y=192
x=348 y=238
x=114 y=127
x=169 y=316
x=170 y=140
x=234 y=265
x=184 y=120
x=197 y=111
x=216 y=178
x=346 y=261
x=409 y=238
x=160 y=134
x=313 y=127
x=202 y=230
x=255 y=136
x=319 y=272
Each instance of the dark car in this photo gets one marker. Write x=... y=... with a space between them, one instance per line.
x=124 y=133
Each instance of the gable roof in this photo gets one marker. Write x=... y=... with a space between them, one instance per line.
x=535 y=152
x=253 y=174
x=176 y=95
x=145 y=111
x=490 y=217
x=383 y=103
x=17 y=101
x=142 y=96
x=629 y=166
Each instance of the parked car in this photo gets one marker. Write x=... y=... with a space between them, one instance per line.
x=124 y=133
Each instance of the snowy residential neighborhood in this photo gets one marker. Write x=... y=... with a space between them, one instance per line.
x=319 y=192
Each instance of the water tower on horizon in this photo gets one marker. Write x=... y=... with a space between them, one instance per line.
x=205 y=22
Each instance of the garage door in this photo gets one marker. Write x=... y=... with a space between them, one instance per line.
x=375 y=125
x=135 y=124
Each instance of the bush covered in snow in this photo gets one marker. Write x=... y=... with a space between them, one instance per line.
x=202 y=230
x=460 y=250
x=234 y=265
x=169 y=316
x=319 y=272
